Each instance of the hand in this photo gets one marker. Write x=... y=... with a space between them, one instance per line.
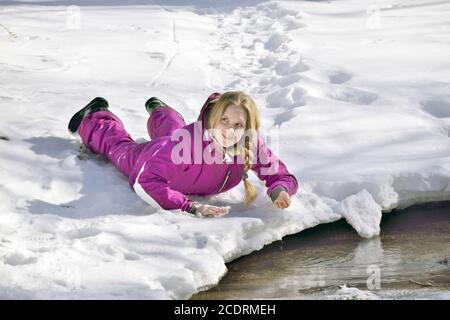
x=207 y=210
x=283 y=200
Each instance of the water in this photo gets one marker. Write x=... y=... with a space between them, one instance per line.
x=409 y=260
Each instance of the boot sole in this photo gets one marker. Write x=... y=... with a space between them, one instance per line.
x=76 y=119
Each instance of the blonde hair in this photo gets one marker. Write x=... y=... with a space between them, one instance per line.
x=215 y=113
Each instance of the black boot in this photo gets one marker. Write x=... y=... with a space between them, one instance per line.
x=97 y=104
x=153 y=103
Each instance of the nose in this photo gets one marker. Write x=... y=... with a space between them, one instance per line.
x=228 y=129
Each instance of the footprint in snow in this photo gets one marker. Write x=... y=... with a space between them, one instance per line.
x=85 y=232
x=275 y=11
x=17 y=259
x=285 y=67
x=292 y=23
x=285 y=116
x=338 y=77
x=438 y=107
x=267 y=61
x=287 y=97
x=288 y=80
x=202 y=242
x=353 y=95
x=276 y=42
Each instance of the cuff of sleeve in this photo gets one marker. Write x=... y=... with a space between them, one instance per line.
x=192 y=207
x=187 y=205
x=275 y=192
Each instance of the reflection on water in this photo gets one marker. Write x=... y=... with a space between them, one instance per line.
x=410 y=259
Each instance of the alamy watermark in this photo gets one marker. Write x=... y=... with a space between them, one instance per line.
x=373 y=20
x=191 y=149
x=73 y=18
x=374 y=280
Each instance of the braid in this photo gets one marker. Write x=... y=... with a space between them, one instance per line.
x=250 y=191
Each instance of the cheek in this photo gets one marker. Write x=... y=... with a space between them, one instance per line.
x=239 y=133
x=218 y=129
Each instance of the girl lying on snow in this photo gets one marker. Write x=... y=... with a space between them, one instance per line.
x=158 y=171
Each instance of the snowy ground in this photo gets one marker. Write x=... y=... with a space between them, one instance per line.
x=359 y=95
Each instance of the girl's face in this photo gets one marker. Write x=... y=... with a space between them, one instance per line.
x=231 y=127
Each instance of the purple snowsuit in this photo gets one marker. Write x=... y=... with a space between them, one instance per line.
x=149 y=166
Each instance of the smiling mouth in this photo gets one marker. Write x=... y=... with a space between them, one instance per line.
x=227 y=138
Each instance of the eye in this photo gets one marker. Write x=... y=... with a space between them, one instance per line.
x=239 y=125
x=224 y=120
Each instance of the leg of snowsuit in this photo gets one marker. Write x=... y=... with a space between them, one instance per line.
x=103 y=133
x=163 y=121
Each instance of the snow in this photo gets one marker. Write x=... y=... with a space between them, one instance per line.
x=362 y=213
x=350 y=293
x=358 y=95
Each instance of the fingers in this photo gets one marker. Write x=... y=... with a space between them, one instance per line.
x=213 y=211
x=220 y=211
x=282 y=203
x=216 y=209
x=288 y=202
x=214 y=214
x=279 y=204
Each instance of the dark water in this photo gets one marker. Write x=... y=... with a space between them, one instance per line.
x=409 y=260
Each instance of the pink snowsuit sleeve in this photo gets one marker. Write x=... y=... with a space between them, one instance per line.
x=269 y=168
x=151 y=183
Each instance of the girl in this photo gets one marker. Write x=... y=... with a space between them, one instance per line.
x=227 y=125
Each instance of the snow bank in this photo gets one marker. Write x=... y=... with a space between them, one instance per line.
x=358 y=97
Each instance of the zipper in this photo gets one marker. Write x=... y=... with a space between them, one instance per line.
x=227 y=176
